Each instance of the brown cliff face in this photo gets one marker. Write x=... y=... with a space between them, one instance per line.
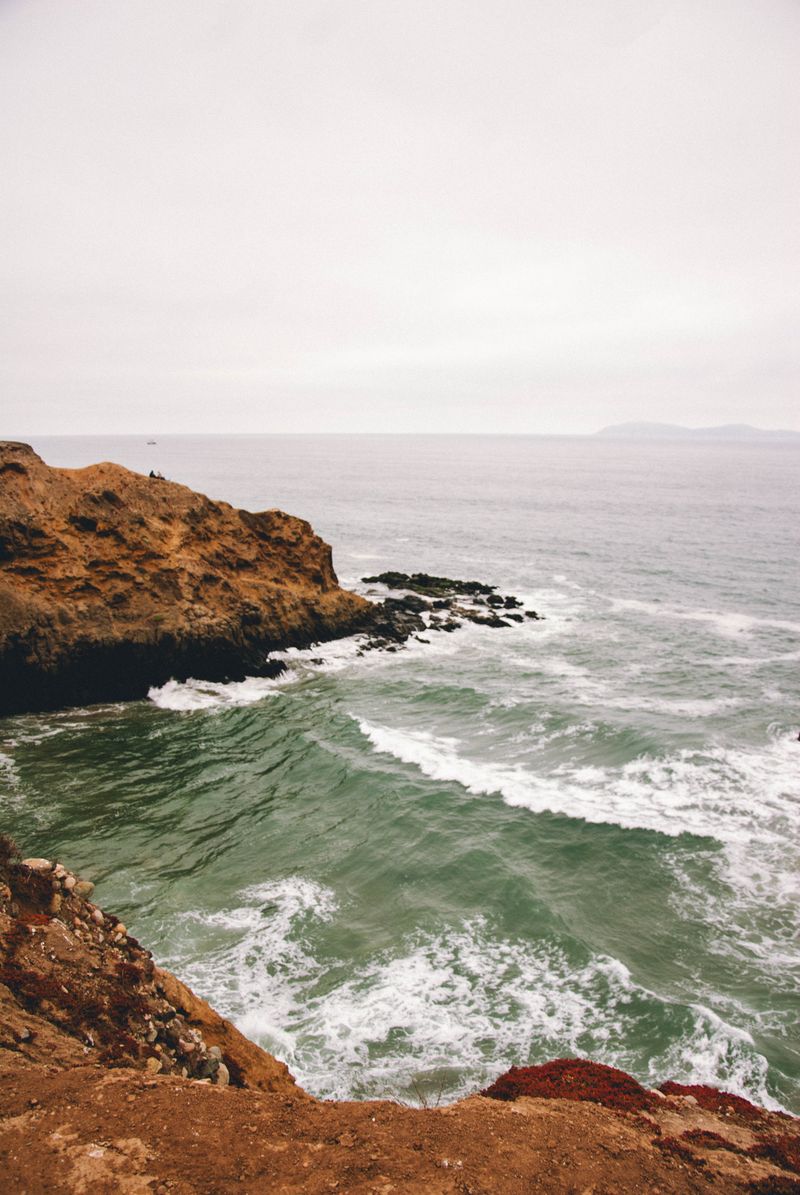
x=111 y=582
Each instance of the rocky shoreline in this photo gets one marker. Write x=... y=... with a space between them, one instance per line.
x=114 y=1076
x=112 y=583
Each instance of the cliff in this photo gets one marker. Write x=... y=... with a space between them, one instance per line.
x=111 y=582
x=115 y=1077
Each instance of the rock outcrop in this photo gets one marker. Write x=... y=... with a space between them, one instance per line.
x=111 y=582
x=75 y=987
x=114 y=1076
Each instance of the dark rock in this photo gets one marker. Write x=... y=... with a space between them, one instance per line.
x=414 y=603
x=489 y=620
x=428 y=585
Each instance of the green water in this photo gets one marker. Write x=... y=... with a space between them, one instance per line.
x=403 y=873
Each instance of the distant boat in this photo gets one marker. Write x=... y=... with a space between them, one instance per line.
x=152 y=441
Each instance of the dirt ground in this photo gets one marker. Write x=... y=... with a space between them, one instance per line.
x=93 y=1130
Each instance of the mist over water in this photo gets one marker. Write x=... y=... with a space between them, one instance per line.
x=403 y=873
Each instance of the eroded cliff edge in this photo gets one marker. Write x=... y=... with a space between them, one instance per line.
x=111 y=582
x=115 y=1077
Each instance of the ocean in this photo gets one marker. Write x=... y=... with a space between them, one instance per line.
x=402 y=873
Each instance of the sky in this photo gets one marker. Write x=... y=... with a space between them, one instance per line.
x=521 y=216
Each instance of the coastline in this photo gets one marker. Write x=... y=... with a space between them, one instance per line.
x=116 y=1076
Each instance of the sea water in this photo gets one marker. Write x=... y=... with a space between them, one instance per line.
x=405 y=872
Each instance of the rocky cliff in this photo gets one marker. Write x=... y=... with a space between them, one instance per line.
x=111 y=582
x=115 y=1077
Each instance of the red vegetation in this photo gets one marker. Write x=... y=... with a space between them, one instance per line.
x=775 y=1184
x=670 y=1145
x=715 y=1101
x=572 y=1079
x=709 y=1140
x=783 y=1150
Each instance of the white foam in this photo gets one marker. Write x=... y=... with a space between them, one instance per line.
x=584 y=687
x=789 y=657
x=8 y=770
x=720 y=1055
x=462 y=1002
x=727 y=623
x=212 y=695
x=322 y=657
x=609 y=691
x=725 y=794
x=699 y=707
x=252 y=957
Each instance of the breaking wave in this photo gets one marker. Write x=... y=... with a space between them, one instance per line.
x=725 y=794
x=447 y=1011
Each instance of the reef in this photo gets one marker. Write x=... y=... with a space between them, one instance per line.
x=419 y=604
x=112 y=582
x=114 y=1076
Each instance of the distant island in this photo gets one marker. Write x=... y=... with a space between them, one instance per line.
x=674 y=431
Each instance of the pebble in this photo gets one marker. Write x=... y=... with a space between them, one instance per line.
x=69 y=882
x=37 y=864
x=56 y=901
x=97 y=917
x=59 y=871
x=215 y=1052
x=84 y=888
x=154 y=1065
x=120 y=931
x=223 y=1075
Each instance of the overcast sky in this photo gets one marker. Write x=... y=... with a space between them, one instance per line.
x=398 y=215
